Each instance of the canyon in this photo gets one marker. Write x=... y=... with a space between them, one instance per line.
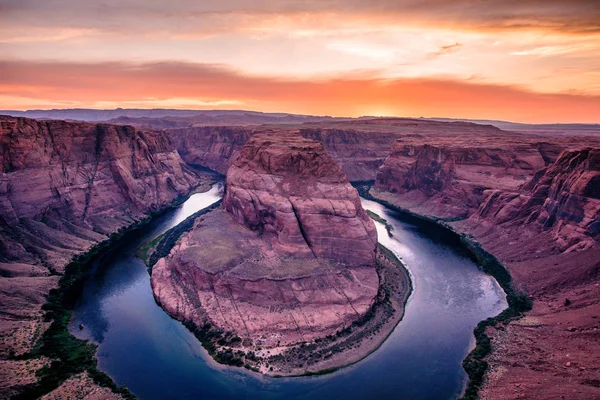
x=358 y=146
x=528 y=197
x=291 y=257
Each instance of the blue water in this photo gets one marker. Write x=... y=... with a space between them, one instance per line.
x=156 y=357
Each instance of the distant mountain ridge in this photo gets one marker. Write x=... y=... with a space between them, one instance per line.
x=93 y=115
x=162 y=118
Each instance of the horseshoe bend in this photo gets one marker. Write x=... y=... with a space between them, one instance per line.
x=285 y=278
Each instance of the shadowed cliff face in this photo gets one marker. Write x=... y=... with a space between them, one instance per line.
x=361 y=146
x=359 y=154
x=64 y=187
x=449 y=180
x=290 y=187
x=563 y=198
x=73 y=183
x=211 y=146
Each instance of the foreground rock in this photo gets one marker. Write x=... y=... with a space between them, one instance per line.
x=546 y=233
x=288 y=261
x=65 y=187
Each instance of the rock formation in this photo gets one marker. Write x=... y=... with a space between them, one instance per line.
x=290 y=257
x=361 y=146
x=74 y=183
x=545 y=230
x=63 y=188
x=563 y=198
x=449 y=180
x=211 y=146
x=359 y=154
x=288 y=186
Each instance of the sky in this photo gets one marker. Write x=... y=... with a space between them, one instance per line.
x=521 y=60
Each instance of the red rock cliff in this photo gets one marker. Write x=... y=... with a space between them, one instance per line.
x=288 y=259
x=288 y=186
x=449 y=180
x=63 y=188
x=563 y=198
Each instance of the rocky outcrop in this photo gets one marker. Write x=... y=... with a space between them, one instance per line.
x=450 y=181
x=563 y=198
x=64 y=187
x=359 y=154
x=288 y=186
x=359 y=146
x=290 y=257
x=74 y=183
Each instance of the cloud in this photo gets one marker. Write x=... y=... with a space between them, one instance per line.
x=168 y=83
x=574 y=16
x=451 y=48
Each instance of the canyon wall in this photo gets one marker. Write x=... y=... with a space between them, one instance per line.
x=450 y=180
x=213 y=147
x=544 y=229
x=563 y=198
x=63 y=188
x=359 y=154
x=358 y=146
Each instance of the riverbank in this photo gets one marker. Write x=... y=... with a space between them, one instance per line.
x=475 y=363
x=69 y=358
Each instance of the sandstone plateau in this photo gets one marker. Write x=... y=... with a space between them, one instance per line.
x=544 y=229
x=289 y=259
x=65 y=187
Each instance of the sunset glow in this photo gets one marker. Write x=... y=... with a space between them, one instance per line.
x=531 y=61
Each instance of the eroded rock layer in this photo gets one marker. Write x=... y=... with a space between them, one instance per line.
x=450 y=180
x=289 y=187
x=290 y=257
x=360 y=146
x=227 y=275
x=563 y=198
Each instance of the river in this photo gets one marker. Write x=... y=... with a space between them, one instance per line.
x=156 y=357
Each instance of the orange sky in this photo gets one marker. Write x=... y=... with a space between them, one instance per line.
x=531 y=61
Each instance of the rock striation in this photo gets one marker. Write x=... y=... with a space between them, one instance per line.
x=213 y=147
x=288 y=186
x=74 y=183
x=361 y=146
x=451 y=180
x=290 y=257
x=358 y=153
x=563 y=198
